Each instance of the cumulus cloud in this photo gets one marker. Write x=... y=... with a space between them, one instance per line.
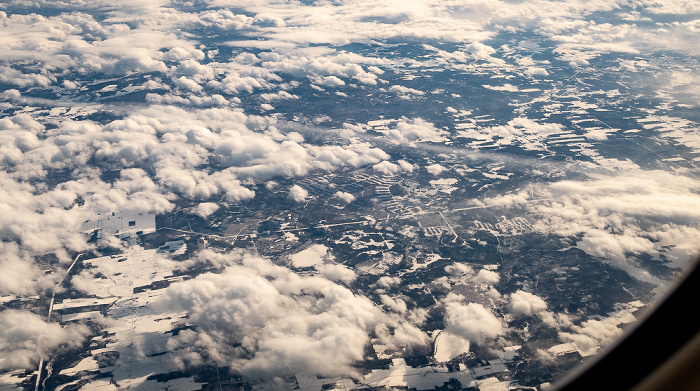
x=325 y=67
x=162 y=153
x=395 y=304
x=297 y=194
x=487 y=277
x=189 y=84
x=523 y=131
x=344 y=196
x=406 y=166
x=338 y=273
x=21 y=275
x=388 y=281
x=618 y=216
x=459 y=269
x=406 y=92
x=387 y=168
x=25 y=338
x=435 y=169
x=39 y=223
x=265 y=321
x=525 y=303
x=598 y=134
x=332 y=81
x=536 y=71
x=206 y=209
x=507 y=87
x=471 y=52
x=472 y=321
x=409 y=131
x=189 y=141
x=593 y=333
x=604 y=244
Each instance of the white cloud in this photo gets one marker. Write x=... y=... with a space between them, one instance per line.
x=183 y=53
x=21 y=275
x=472 y=321
x=326 y=67
x=40 y=223
x=409 y=131
x=265 y=321
x=525 y=303
x=604 y=244
x=338 y=273
x=449 y=346
x=297 y=194
x=459 y=269
x=189 y=84
x=206 y=209
x=332 y=81
x=395 y=304
x=405 y=91
x=597 y=134
x=528 y=133
x=469 y=53
x=160 y=152
x=387 y=168
x=25 y=338
x=354 y=155
x=388 y=281
x=536 y=71
x=593 y=333
x=506 y=87
x=617 y=216
x=344 y=196
x=435 y=169
x=487 y=277
x=406 y=166
x=70 y=84
x=278 y=96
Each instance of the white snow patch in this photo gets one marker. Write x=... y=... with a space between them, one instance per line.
x=311 y=256
x=449 y=346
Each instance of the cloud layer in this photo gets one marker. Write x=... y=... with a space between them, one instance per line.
x=25 y=338
x=264 y=321
x=617 y=216
x=162 y=106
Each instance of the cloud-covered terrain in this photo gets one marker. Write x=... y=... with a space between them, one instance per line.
x=30 y=338
x=297 y=193
x=266 y=321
